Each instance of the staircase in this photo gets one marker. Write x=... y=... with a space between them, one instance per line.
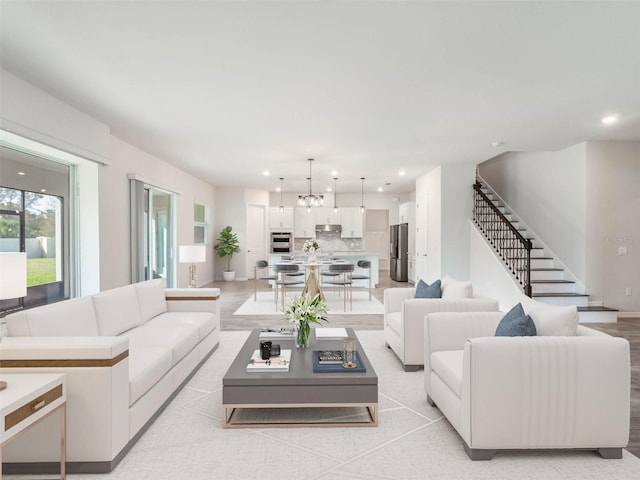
x=531 y=265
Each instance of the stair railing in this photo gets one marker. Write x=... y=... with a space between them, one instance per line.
x=507 y=241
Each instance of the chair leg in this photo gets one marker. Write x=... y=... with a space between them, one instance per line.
x=478 y=453
x=610 y=453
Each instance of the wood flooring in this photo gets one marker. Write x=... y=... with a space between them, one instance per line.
x=234 y=294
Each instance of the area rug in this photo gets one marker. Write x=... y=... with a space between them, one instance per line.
x=264 y=305
x=412 y=441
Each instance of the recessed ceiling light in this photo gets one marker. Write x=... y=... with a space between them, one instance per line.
x=402 y=172
x=334 y=173
x=21 y=173
x=609 y=119
x=497 y=144
x=277 y=189
x=380 y=189
x=328 y=189
x=43 y=190
x=266 y=173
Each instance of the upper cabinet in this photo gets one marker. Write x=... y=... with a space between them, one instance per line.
x=304 y=223
x=352 y=221
x=326 y=216
x=281 y=220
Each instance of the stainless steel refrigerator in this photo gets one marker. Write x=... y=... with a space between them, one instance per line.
x=399 y=255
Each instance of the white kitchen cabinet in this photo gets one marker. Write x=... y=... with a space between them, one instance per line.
x=304 y=223
x=352 y=221
x=326 y=216
x=281 y=220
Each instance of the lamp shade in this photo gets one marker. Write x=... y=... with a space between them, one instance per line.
x=13 y=275
x=192 y=253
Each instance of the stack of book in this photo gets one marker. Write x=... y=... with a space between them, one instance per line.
x=277 y=333
x=274 y=364
x=330 y=333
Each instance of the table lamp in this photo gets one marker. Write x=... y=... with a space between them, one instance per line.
x=13 y=280
x=192 y=254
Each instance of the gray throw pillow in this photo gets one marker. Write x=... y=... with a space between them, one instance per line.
x=428 y=291
x=516 y=324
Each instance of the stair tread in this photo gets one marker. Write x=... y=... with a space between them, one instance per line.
x=563 y=294
x=532 y=258
x=543 y=269
x=552 y=281
x=597 y=309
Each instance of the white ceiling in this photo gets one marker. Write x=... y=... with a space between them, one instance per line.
x=226 y=90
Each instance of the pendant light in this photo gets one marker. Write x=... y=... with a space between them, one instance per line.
x=362 y=208
x=310 y=200
x=281 y=203
x=335 y=195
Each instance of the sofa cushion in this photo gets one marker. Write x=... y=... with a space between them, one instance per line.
x=117 y=310
x=452 y=288
x=75 y=317
x=393 y=321
x=551 y=319
x=180 y=339
x=151 y=299
x=147 y=365
x=522 y=326
x=204 y=322
x=447 y=364
x=423 y=290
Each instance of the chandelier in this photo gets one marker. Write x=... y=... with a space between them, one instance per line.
x=310 y=200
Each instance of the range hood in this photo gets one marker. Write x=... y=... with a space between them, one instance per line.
x=328 y=228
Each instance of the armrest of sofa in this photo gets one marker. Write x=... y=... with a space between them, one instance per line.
x=193 y=300
x=537 y=392
x=41 y=349
x=393 y=298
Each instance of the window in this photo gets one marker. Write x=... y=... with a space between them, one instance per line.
x=200 y=223
x=32 y=222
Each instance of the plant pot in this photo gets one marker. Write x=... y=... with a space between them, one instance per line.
x=228 y=275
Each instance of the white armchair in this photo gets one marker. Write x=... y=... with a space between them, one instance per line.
x=538 y=392
x=404 y=318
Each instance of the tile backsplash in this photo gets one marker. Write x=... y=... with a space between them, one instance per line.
x=332 y=242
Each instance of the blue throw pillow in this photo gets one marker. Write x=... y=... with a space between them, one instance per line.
x=428 y=291
x=516 y=324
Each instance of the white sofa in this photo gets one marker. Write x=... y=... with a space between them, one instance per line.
x=404 y=320
x=126 y=352
x=539 y=392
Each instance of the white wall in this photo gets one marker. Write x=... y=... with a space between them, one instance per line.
x=231 y=209
x=448 y=190
x=613 y=212
x=104 y=193
x=584 y=202
x=32 y=113
x=547 y=191
x=115 y=205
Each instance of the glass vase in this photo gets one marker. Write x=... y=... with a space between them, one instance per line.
x=302 y=335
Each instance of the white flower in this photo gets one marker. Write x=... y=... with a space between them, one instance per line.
x=305 y=310
x=310 y=246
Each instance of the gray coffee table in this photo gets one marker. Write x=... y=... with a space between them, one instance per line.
x=299 y=387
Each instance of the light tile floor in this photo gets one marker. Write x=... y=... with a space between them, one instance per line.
x=413 y=440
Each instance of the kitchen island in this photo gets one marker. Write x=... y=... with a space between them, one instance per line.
x=347 y=256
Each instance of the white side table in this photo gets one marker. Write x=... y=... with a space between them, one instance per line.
x=28 y=398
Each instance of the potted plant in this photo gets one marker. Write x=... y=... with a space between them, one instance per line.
x=226 y=245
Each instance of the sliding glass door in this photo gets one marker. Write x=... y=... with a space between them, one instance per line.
x=152 y=233
x=32 y=222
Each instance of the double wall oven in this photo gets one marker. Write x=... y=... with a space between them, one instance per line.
x=281 y=242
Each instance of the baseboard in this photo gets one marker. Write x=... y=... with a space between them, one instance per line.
x=629 y=315
x=46 y=468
